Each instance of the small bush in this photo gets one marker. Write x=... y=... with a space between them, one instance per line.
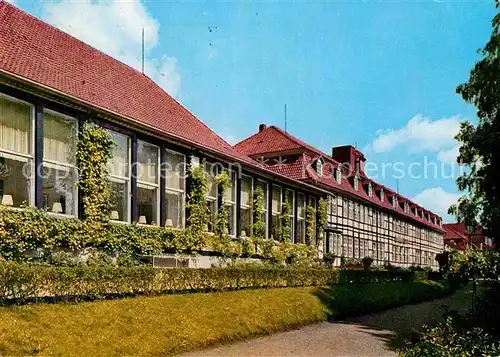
x=449 y=339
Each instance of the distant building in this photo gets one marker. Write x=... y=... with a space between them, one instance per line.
x=458 y=236
x=365 y=218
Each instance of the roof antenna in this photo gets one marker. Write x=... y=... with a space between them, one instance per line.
x=142 y=50
x=397 y=186
x=285 y=117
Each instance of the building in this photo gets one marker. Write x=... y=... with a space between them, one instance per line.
x=52 y=83
x=364 y=217
x=454 y=239
x=458 y=236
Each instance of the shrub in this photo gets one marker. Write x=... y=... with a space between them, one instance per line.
x=449 y=339
x=367 y=263
x=22 y=282
x=31 y=230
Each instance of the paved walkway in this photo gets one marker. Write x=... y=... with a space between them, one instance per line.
x=378 y=334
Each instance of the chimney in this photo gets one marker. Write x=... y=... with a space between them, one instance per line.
x=349 y=155
x=262 y=127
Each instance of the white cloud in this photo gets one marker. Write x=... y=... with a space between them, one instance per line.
x=115 y=27
x=450 y=155
x=437 y=200
x=422 y=134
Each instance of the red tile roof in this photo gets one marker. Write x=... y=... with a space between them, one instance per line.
x=274 y=140
x=36 y=51
x=452 y=233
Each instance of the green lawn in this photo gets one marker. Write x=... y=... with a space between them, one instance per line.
x=174 y=323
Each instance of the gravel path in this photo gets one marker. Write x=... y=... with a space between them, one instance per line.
x=377 y=334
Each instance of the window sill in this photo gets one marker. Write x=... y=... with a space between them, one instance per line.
x=60 y=215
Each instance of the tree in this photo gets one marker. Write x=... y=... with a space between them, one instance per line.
x=480 y=144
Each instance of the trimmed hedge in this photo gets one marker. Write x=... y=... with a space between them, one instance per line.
x=24 y=282
x=31 y=230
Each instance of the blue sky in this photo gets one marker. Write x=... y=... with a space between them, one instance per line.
x=380 y=75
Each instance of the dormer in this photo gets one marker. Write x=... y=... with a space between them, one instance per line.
x=355 y=182
x=381 y=195
x=394 y=201
x=337 y=173
x=369 y=189
x=414 y=210
x=318 y=166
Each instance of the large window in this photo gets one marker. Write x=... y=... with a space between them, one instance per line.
x=230 y=203
x=211 y=172
x=300 y=236
x=148 y=182
x=276 y=212
x=119 y=177
x=59 y=164
x=246 y=206
x=175 y=189
x=16 y=152
x=265 y=189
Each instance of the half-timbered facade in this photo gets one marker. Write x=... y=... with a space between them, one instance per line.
x=364 y=217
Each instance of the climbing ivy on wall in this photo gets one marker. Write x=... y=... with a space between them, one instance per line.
x=286 y=222
x=223 y=183
x=196 y=205
x=94 y=150
x=310 y=224
x=322 y=219
x=258 y=226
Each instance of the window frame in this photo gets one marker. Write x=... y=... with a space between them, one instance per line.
x=181 y=191
x=30 y=158
x=122 y=179
x=147 y=185
x=247 y=206
x=56 y=165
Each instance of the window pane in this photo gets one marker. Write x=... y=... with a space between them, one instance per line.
x=301 y=203
x=119 y=163
x=15 y=126
x=59 y=192
x=15 y=180
x=147 y=160
x=174 y=208
x=212 y=208
x=59 y=139
x=246 y=221
x=147 y=199
x=175 y=171
x=231 y=219
x=301 y=231
x=211 y=171
x=275 y=227
x=230 y=192
x=119 y=201
x=246 y=191
x=276 y=200
x=263 y=186
x=289 y=198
